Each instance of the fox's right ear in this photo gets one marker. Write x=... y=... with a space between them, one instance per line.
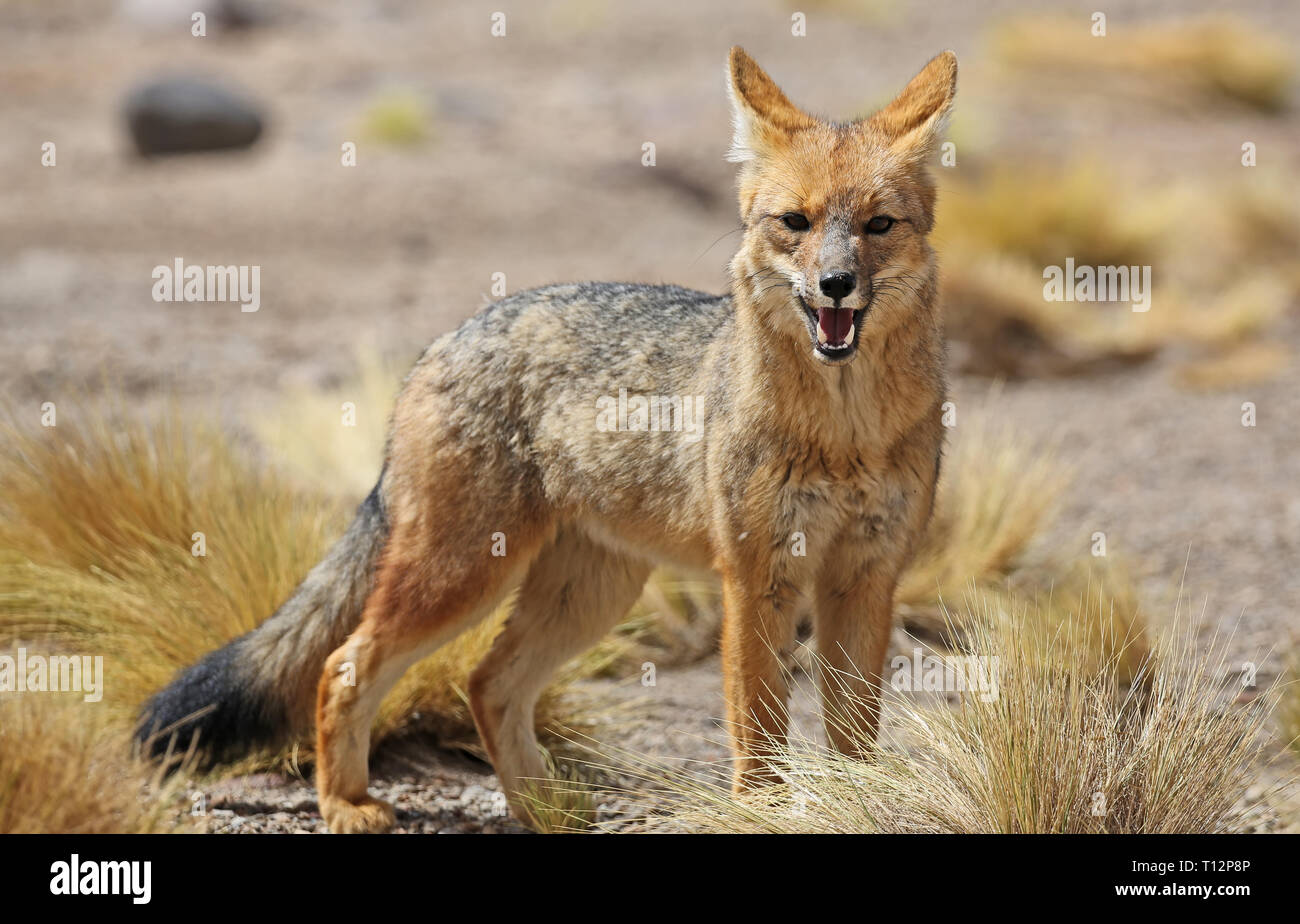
x=761 y=114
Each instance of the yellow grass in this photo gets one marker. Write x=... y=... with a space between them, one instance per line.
x=65 y=769
x=431 y=697
x=1003 y=327
x=1000 y=231
x=562 y=803
x=1288 y=713
x=676 y=621
x=1045 y=213
x=996 y=493
x=997 y=235
x=1219 y=58
x=98 y=518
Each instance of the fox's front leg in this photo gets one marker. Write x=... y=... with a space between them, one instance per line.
x=853 y=618
x=758 y=626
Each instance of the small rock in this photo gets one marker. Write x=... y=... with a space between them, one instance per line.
x=182 y=114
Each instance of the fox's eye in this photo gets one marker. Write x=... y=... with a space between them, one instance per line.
x=880 y=224
x=794 y=221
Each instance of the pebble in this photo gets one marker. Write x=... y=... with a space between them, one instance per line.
x=175 y=115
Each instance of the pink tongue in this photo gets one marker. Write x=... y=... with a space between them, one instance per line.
x=835 y=323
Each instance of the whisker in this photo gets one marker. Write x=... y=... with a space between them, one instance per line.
x=715 y=243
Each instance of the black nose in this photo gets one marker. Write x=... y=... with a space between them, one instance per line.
x=836 y=285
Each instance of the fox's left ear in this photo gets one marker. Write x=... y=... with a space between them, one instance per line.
x=913 y=122
x=760 y=112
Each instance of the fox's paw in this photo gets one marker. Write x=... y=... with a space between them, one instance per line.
x=369 y=816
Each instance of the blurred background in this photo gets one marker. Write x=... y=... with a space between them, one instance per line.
x=1170 y=141
x=522 y=154
x=480 y=154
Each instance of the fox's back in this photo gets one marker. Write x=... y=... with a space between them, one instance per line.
x=591 y=328
x=542 y=389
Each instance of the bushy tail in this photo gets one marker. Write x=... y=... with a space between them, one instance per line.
x=260 y=689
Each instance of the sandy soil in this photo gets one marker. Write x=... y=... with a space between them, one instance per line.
x=534 y=169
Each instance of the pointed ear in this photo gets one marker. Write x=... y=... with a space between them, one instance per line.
x=760 y=112
x=914 y=120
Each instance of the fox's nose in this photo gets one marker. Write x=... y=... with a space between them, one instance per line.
x=836 y=285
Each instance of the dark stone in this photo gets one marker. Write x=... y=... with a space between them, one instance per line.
x=182 y=114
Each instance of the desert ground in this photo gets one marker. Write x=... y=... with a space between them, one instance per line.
x=522 y=155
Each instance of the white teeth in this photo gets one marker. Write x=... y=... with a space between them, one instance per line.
x=833 y=347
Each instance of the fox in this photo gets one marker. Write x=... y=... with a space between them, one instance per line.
x=819 y=380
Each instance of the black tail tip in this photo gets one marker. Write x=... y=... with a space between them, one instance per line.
x=209 y=714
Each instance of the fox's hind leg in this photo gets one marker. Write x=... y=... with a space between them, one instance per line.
x=575 y=591
x=427 y=590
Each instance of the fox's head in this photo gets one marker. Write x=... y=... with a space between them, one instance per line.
x=836 y=213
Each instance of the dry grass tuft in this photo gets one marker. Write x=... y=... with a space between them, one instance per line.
x=999 y=232
x=1000 y=325
x=1043 y=214
x=1221 y=58
x=996 y=493
x=1066 y=746
x=98 y=524
x=64 y=769
x=676 y=621
x=562 y=803
x=1288 y=713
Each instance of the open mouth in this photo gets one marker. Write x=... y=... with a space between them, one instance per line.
x=835 y=330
